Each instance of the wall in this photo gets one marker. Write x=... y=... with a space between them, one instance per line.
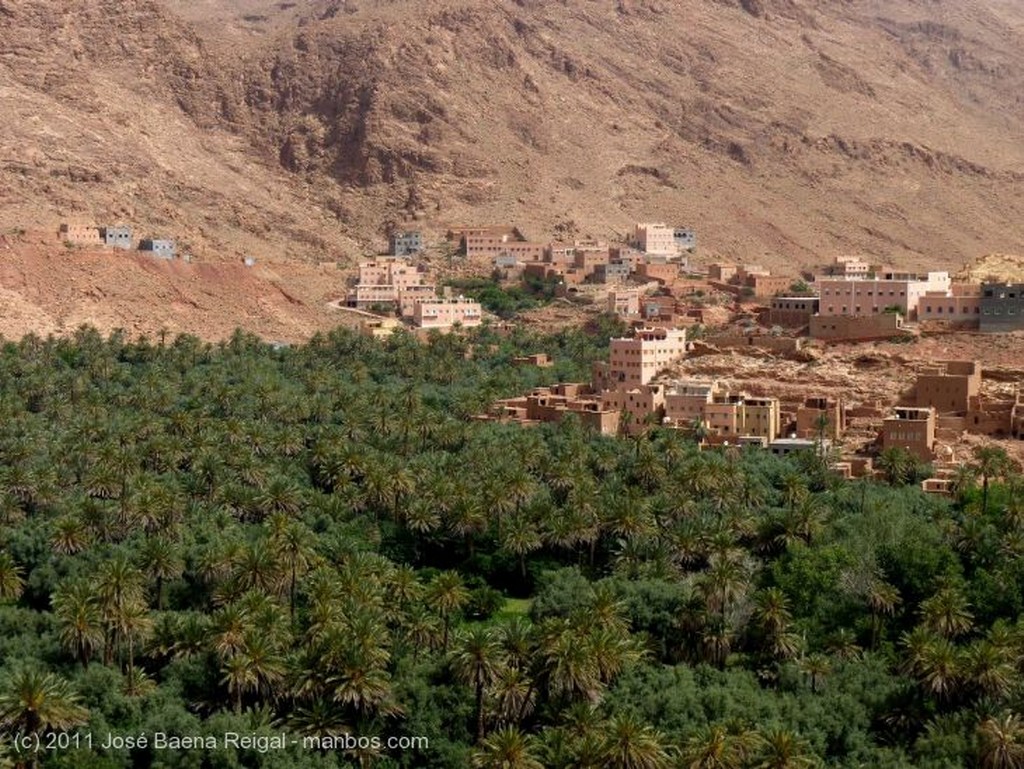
x=852 y=329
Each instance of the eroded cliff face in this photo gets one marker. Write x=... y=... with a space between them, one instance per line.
x=787 y=131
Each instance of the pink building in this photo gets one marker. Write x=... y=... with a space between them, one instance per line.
x=445 y=313
x=867 y=296
x=636 y=361
x=624 y=303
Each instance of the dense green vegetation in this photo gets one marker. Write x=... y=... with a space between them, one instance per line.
x=506 y=301
x=205 y=539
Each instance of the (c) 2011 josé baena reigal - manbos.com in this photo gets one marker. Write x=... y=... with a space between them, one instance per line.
x=56 y=741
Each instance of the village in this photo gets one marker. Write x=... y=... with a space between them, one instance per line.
x=682 y=314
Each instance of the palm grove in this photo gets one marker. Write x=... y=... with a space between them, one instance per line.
x=207 y=538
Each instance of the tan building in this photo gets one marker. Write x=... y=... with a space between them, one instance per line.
x=912 y=429
x=625 y=304
x=950 y=387
x=654 y=239
x=445 y=313
x=80 y=234
x=731 y=415
x=872 y=296
x=685 y=401
x=637 y=360
x=552 y=404
x=723 y=273
x=850 y=266
x=644 y=405
x=961 y=304
x=808 y=416
x=792 y=311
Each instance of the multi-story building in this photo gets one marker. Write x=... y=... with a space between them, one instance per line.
x=654 y=239
x=961 y=304
x=912 y=429
x=849 y=266
x=612 y=272
x=644 y=405
x=391 y=280
x=636 y=360
x=445 y=313
x=685 y=402
x=1002 y=307
x=405 y=243
x=625 y=304
x=792 y=311
x=952 y=387
x=859 y=297
x=821 y=415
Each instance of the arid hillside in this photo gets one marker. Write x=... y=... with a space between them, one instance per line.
x=785 y=130
x=48 y=288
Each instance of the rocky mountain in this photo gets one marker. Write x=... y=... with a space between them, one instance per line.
x=785 y=130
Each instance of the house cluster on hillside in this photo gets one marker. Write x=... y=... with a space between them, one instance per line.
x=854 y=301
x=396 y=283
x=634 y=389
x=652 y=252
x=119 y=236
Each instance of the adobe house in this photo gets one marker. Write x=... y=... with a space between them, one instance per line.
x=792 y=311
x=118 y=237
x=912 y=429
x=808 y=417
x=80 y=234
x=949 y=387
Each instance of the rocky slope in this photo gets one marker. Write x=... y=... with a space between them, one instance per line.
x=785 y=130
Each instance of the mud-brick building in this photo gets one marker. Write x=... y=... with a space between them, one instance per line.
x=405 y=243
x=912 y=429
x=80 y=234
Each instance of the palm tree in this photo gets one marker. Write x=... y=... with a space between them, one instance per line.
x=782 y=749
x=295 y=541
x=162 y=561
x=897 y=464
x=882 y=599
x=990 y=462
x=476 y=660
x=816 y=667
x=119 y=589
x=714 y=747
x=1002 y=742
x=79 y=620
x=448 y=595
x=629 y=743
x=506 y=748
x=947 y=612
x=521 y=538
x=12 y=584
x=32 y=701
